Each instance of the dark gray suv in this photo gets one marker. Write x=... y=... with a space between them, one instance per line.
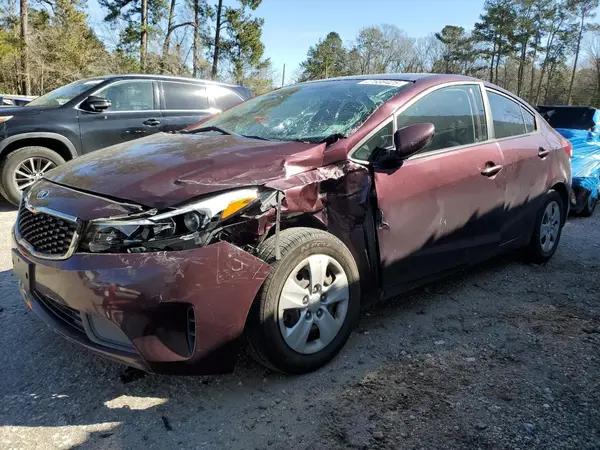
x=99 y=112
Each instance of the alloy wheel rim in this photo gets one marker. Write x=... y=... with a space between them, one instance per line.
x=31 y=170
x=550 y=227
x=313 y=304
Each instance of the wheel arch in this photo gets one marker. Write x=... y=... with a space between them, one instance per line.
x=563 y=191
x=361 y=241
x=53 y=141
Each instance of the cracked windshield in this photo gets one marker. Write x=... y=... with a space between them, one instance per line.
x=312 y=112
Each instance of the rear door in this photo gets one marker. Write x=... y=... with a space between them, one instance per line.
x=183 y=104
x=526 y=161
x=134 y=113
x=444 y=206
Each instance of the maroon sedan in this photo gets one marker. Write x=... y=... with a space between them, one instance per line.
x=278 y=219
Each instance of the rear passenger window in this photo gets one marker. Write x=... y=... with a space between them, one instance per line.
x=529 y=121
x=184 y=96
x=507 y=116
x=456 y=112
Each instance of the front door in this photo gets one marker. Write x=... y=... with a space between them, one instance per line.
x=134 y=113
x=443 y=207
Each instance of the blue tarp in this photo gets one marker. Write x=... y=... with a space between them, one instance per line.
x=585 y=163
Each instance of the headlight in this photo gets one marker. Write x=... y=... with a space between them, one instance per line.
x=187 y=224
x=5 y=118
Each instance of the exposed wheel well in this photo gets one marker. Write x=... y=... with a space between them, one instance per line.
x=50 y=143
x=301 y=220
x=564 y=196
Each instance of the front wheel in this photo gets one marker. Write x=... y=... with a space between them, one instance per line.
x=23 y=167
x=309 y=303
x=548 y=228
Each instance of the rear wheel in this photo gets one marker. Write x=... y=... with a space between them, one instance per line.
x=548 y=229
x=590 y=206
x=23 y=167
x=308 y=304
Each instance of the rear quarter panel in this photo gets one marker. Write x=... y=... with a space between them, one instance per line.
x=559 y=171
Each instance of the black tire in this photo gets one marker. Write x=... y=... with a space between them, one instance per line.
x=265 y=341
x=589 y=207
x=8 y=166
x=534 y=251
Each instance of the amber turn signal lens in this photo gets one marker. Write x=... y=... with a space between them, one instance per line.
x=234 y=207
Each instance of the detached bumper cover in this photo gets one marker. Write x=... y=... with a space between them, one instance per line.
x=142 y=300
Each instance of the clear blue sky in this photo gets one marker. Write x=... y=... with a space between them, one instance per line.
x=292 y=26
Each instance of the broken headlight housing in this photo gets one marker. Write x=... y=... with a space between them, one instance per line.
x=184 y=227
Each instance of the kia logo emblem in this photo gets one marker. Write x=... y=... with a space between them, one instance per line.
x=43 y=194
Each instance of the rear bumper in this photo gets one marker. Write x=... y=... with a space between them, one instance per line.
x=174 y=312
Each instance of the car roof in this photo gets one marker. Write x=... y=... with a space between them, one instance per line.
x=404 y=77
x=18 y=97
x=161 y=78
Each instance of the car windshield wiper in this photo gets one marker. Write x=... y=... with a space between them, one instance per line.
x=212 y=128
x=332 y=138
x=320 y=140
x=251 y=136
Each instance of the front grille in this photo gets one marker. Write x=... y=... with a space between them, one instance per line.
x=45 y=233
x=63 y=312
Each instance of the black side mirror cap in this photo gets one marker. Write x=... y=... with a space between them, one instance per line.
x=413 y=138
x=95 y=103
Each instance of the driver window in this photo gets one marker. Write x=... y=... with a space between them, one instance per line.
x=457 y=113
x=129 y=96
x=382 y=140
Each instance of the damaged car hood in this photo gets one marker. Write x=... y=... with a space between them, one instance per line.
x=163 y=170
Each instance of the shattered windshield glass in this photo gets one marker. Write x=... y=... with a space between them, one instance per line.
x=309 y=112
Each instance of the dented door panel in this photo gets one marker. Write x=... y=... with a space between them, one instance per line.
x=439 y=211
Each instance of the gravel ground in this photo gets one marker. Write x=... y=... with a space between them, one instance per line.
x=505 y=356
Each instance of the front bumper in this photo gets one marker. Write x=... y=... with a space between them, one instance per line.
x=579 y=197
x=168 y=312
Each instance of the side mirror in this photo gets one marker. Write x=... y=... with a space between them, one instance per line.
x=412 y=139
x=96 y=104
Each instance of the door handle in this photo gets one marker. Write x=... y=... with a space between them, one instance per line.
x=152 y=122
x=542 y=152
x=491 y=169
x=381 y=224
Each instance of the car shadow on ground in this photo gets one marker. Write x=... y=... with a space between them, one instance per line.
x=62 y=385
x=7 y=207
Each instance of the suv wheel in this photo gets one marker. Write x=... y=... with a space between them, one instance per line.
x=548 y=228
x=23 y=167
x=309 y=303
